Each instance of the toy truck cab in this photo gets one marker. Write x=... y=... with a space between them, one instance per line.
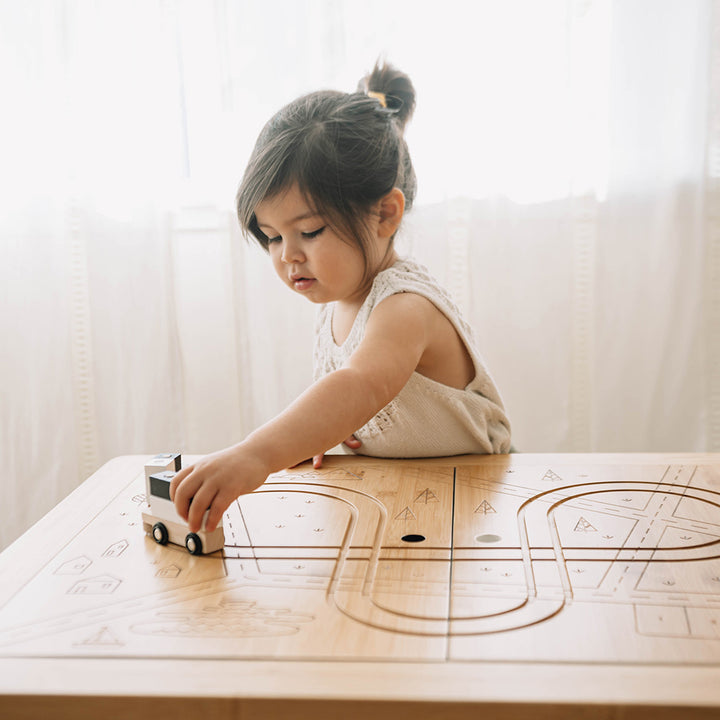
x=162 y=521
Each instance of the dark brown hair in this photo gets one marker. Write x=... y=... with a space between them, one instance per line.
x=345 y=151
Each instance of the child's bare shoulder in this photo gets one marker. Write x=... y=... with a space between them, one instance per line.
x=407 y=304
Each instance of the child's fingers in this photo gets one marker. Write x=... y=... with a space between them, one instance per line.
x=219 y=505
x=184 y=492
x=352 y=442
x=200 y=503
x=214 y=517
x=179 y=477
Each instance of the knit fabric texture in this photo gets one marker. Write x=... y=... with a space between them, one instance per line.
x=426 y=418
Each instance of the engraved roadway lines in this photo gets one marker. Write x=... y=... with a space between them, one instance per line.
x=490 y=553
x=645 y=548
x=582 y=538
x=109 y=571
x=377 y=578
x=525 y=579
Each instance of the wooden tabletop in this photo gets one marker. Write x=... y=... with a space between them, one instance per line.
x=521 y=586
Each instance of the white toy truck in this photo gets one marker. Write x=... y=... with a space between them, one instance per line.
x=162 y=521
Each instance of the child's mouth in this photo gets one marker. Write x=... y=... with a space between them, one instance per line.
x=302 y=284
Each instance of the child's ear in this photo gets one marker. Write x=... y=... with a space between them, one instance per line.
x=392 y=207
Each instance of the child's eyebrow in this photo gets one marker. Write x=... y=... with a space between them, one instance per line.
x=303 y=216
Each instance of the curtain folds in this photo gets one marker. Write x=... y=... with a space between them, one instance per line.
x=711 y=299
x=568 y=158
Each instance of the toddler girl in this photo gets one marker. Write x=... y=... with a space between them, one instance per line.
x=397 y=373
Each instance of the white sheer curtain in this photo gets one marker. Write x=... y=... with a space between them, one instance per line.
x=568 y=155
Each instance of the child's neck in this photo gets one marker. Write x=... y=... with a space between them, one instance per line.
x=346 y=309
x=355 y=301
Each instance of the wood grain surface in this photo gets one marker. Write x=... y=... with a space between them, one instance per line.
x=521 y=586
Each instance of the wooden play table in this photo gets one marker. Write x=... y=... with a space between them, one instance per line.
x=525 y=586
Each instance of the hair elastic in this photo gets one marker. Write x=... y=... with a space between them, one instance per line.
x=380 y=97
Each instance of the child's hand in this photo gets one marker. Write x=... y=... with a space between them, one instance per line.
x=213 y=483
x=352 y=442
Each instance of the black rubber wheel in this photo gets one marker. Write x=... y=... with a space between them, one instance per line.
x=193 y=544
x=160 y=534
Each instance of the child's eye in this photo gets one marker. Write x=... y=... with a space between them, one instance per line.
x=314 y=233
x=269 y=240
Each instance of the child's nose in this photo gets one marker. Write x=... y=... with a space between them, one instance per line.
x=292 y=252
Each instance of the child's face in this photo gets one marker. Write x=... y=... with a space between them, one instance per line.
x=307 y=254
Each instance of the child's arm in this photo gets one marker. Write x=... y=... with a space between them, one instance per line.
x=330 y=410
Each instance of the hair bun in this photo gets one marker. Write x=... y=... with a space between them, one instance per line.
x=397 y=88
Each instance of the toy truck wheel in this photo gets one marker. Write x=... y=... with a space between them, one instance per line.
x=160 y=534
x=193 y=544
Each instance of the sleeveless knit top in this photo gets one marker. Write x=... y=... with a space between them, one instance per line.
x=427 y=418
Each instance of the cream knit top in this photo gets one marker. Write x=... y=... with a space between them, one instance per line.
x=427 y=418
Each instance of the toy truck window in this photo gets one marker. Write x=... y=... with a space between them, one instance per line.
x=160 y=487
